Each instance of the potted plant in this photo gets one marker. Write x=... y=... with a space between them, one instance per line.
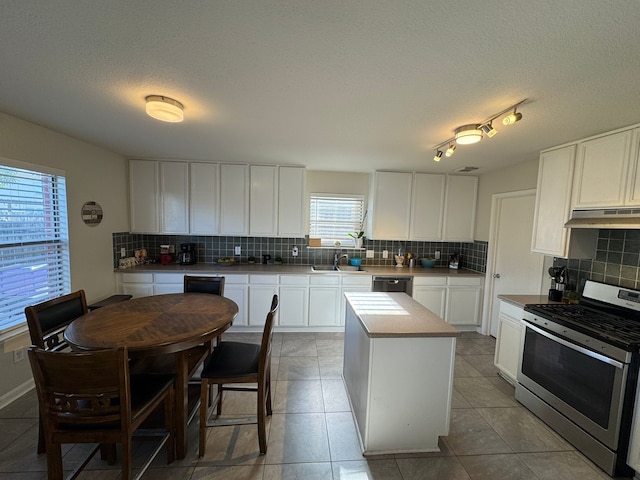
x=277 y=260
x=251 y=259
x=358 y=238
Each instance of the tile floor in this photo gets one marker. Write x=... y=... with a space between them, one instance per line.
x=311 y=434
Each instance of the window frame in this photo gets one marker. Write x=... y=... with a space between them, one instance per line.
x=34 y=261
x=355 y=225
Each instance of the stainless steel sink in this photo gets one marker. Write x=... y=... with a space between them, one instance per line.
x=324 y=268
x=349 y=268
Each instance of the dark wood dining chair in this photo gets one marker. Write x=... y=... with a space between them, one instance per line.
x=89 y=397
x=232 y=364
x=47 y=322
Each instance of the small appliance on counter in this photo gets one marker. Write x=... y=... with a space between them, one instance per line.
x=166 y=254
x=454 y=261
x=187 y=255
x=558 y=283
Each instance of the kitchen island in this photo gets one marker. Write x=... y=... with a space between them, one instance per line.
x=398 y=371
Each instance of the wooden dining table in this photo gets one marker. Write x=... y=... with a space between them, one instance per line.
x=158 y=326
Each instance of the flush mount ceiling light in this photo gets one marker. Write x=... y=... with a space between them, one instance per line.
x=468 y=134
x=164 y=108
x=472 y=133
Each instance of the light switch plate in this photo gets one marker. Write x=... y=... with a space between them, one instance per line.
x=370 y=254
x=238 y=250
x=437 y=255
x=294 y=251
x=385 y=254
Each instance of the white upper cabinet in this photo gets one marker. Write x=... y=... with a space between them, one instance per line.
x=602 y=169
x=174 y=197
x=144 y=198
x=427 y=207
x=263 y=195
x=391 y=205
x=460 y=208
x=291 y=202
x=633 y=186
x=234 y=199
x=553 y=201
x=204 y=205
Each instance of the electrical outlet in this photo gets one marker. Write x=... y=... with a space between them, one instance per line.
x=123 y=252
x=437 y=255
x=370 y=254
x=294 y=251
x=238 y=250
x=19 y=355
x=385 y=253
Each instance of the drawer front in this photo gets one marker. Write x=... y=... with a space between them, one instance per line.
x=511 y=310
x=429 y=281
x=322 y=279
x=294 y=280
x=472 y=281
x=263 y=279
x=168 y=278
x=238 y=279
x=137 y=277
x=356 y=280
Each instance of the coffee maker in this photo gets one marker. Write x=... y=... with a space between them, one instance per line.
x=187 y=255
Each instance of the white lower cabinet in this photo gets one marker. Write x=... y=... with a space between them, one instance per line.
x=356 y=283
x=262 y=288
x=431 y=292
x=136 y=284
x=507 y=355
x=463 y=306
x=324 y=300
x=455 y=299
x=294 y=301
x=236 y=289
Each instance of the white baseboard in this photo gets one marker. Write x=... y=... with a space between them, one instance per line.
x=16 y=393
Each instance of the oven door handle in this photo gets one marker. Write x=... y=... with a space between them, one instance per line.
x=575 y=347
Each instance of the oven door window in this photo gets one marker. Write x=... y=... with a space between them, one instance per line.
x=579 y=380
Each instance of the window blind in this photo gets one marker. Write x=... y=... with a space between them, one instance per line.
x=34 y=245
x=333 y=217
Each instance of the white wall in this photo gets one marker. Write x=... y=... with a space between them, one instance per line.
x=93 y=174
x=522 y=176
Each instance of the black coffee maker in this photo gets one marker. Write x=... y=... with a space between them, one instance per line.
x=558 y=282
x=187 y=255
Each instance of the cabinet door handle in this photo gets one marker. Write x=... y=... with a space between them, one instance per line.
x=496 y=275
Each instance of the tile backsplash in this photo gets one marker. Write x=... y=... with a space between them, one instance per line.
x=616 y=261
x=210 y=248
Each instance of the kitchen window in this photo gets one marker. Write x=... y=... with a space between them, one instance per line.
x=34 y=240
x=333 y=217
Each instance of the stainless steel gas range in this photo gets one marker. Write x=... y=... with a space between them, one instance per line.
x=579 y=370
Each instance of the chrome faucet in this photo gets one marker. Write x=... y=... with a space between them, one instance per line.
x=336 y=259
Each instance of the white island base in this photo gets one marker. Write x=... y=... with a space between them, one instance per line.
x=398 y=372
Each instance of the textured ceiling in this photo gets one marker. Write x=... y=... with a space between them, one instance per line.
x=334 y=85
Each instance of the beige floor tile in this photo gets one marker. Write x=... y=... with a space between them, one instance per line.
x=300 y=396
x=463 y=368
x=328 y=347
x=522 y=431
x=331 y=367
x=366 y=470
x=335 y=397
x=458 y=401
x=502 y=385
x=298 y=438
x=493 y=467
x=467 y=346
x=249 y=472
x=565 y=465
x=470 y=434
x=483 y=363
x=298 y=471
x=169 y=473
x=233 y=445
x=433 y=468
x=298 y=368
x=299 y=347
x=479 y=392
x=344 y=442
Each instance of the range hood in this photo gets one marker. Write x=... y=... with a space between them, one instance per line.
x=623 y=218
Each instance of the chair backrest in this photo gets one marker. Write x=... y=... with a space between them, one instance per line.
x=213 y=285
x=80 y=388
x=267 y=336
x=48 y=320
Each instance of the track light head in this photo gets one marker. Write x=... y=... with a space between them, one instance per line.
x=438 y=156
x=512 y=118
x=489 y=130
x=450 y=150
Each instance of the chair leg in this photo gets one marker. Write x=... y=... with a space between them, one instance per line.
x=41 y=443
x=169 y=405
x=219 y=406
x=262 y=430
x=126 y=457
x=204 y=410
x=54 y=461
x=268 y=392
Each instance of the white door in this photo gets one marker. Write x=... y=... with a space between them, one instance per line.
x=511 y=267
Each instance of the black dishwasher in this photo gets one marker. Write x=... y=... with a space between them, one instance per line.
x=392 y=284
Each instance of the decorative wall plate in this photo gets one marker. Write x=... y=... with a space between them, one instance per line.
x=92 y=214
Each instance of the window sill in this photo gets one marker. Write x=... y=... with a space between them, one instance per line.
x=341 y=247
x=13 y=333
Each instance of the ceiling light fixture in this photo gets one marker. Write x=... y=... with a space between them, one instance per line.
x=164 y=108
x=472 y=133
x=450 y=150
x=468 y=134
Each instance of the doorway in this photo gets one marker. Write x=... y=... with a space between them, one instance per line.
x=511 y=266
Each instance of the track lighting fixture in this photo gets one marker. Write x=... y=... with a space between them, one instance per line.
x=472 y=133
x=488 y=130
x=450 y=150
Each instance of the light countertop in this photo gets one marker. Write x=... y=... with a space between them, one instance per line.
x=385 y=314
x=202 y=268
x=522 y=300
